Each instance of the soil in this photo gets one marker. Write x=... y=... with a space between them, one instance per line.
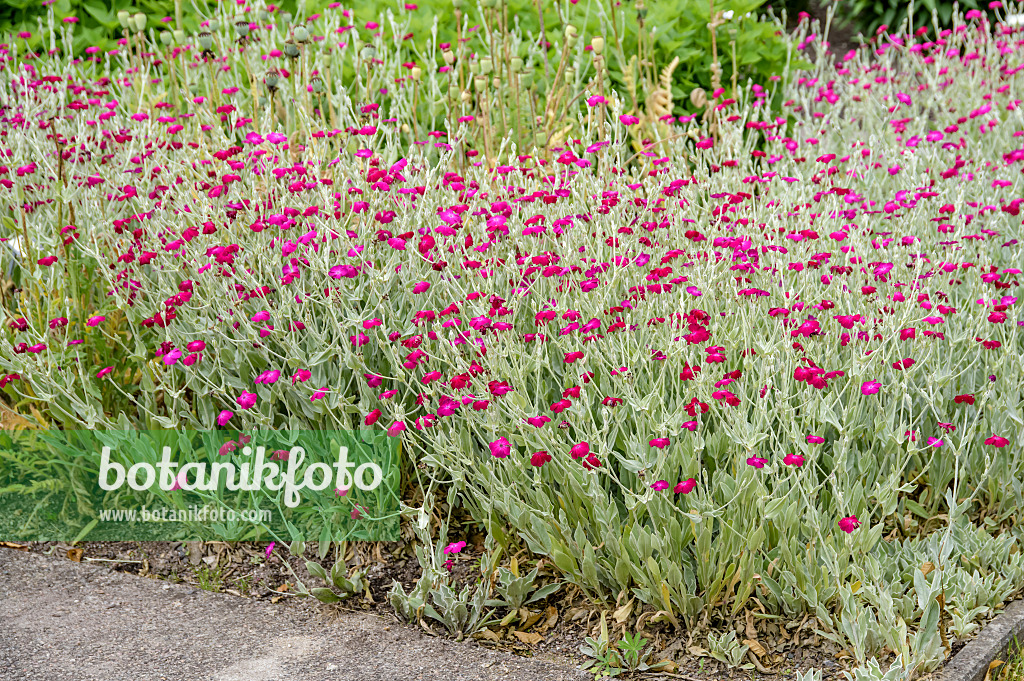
x=561 y=623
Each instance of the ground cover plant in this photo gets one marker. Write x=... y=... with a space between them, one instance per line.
x=744 y=363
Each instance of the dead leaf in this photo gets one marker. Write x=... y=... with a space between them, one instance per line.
x=75 y=555
x=665 y=666
x=284 y=587
x=751 y=631
x=528 y=638
x=487 y=635
x=276 y=599
x=927 y=567
x=755 y=647
x=10 y=545
x=623 y=613
x=698 y=651
x=551 y=618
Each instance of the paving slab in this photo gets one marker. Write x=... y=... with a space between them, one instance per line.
x=66 y=621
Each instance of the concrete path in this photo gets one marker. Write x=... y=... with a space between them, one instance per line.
x=65 y=621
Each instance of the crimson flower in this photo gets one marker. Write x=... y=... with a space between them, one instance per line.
x=997 y=441
x=756 y=462
x=540 y=458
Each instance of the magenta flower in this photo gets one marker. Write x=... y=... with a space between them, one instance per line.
x=660 y=485
x=756 y=462
x=690 y=426
x=793 y=460
x=685 y=486
x=500 y=448
x=421 y=287
x=224 y=417
x=626 y=119
x=93 y=321
x=104 y=371
x=396 y=428
x=301 y=376
x=318 y=395
x=870 y=387
x=934 y=442
x=849 y=524
x=815 y=439
x=246 y=400
x=372 y=417
x=580 y=450
x=997 y=441
x=270 y=549
x=660 y=442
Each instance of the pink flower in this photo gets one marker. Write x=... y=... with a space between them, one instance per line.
x=706 y=143
x=571 y=357
x=756 y=462
x=690 y=426
x=301 y=376
x=500 y=448
x=454 y=547
x=685 y=487
x=997 y=441
x=626 y=119
x=815 y=439
x=660 y=442
x=793 y=460
x=246 y=400
x=270 y=549
x=93 y=321
x=104 y=371
x=318 y=395
x=934 y=442
x=660 y=485
x=849 y=524
x=396 y=428
x=224 y=417
x=372 y=417
x=870 y=387
x=537 y=421
x=421 y=287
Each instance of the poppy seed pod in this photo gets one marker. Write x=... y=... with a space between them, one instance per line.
x=205 y=40
x=214 y=26
x=271 y=79
x=242 y=28
x=140 y=21
x=486 y=65
x=166 y=38
x=416 y=73
x=526 y=78
x=449 y=57
x=454 y=92
x=179 y=36
x=317 y=84
x=517 y=64
x=301 y=34
x=457 y=4
x=466 y=97
x=123 y=17
x=291 y=50
x=474 y=67
x=480 y=82
x=367 y=53
x=286 y=19
x=597 y=44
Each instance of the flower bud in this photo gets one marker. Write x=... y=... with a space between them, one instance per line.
x=449 y=57
x=405 y=128
x=571 y=32
x=416 y=73
x=597 y=44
